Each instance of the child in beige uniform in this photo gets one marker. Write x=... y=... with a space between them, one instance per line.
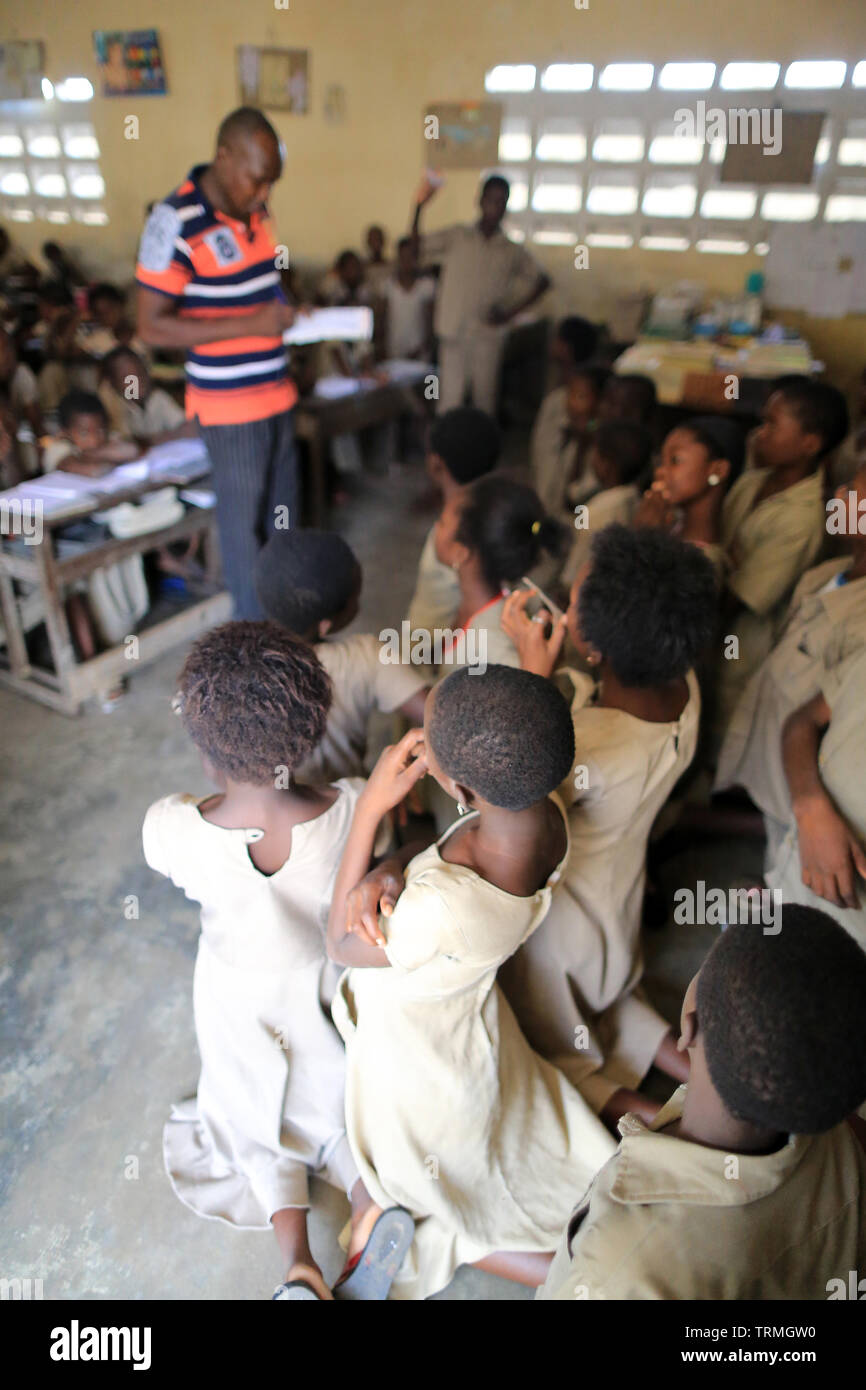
x=441 y=1083
x=137 y=409
x=824 y=628
x=464 y=445
x=559 y=457
x=310 y=582
x=821 y=861
x=773 y=525
x=751 y=1183
x=619 y=456
x=261 y=858
x=640 y=613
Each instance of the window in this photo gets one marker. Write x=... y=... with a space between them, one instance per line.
x=669 y=197
x=626 y=77
x=567 y=77
x=781 y=206
x=614 y=241
x=511 y=77
x=611 y=196
x=738 y=203
x=49 y=163
x=722 y=246
x=668 y=146
x=556 y=193
x=815 y=74
x=560 y=139
x=664 y=243
x=749 y=77
x=687 y=77
x=852 y=146
x=618 y=142
x=846 y=207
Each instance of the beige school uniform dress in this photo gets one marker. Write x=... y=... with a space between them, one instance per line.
x=449 y=1113
x=664 y=1220
x=553 y=455
x=362 y=682
x=842 y=765
x=269 y=1109
x=824 y=628
x=768 y=547
x=575 y=985
x=437 y=591
x=614 y=505
x=478 y=273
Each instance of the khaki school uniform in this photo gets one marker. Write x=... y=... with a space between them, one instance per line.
x=269 y=1108
x=769 y=547
x=825 y=626
x=133 y=420
x=553 y=458
x=612 y=506
x=362 y=682
x=663 y=1220
x=478 y=274
x=448 y=1111
x=842 y=765
x=850 y=457
x=437 y=591
x=575 y=985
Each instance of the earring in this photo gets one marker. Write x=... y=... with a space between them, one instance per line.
x=714 y=480
x=461 y=809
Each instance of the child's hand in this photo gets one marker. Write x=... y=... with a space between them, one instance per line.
x=538 y=640
x=831 y=856
x=398 y=769
x=654 y=509
x=375 y=895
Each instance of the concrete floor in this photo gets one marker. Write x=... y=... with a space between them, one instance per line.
x=97 y=1023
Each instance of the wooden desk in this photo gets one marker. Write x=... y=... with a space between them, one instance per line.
x=72 y=681
x=317 y=420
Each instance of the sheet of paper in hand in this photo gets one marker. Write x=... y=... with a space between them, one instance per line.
x=339 y=325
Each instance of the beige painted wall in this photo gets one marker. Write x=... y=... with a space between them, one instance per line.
x=394 y=57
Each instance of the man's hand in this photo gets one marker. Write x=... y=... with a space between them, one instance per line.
x=830 y=854
x=270 y=321
x=426 y=190
x=375 y=895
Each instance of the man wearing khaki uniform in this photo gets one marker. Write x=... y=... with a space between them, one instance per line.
x=486 y=281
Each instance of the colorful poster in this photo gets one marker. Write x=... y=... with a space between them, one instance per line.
x=462 y=134
x=130 y=62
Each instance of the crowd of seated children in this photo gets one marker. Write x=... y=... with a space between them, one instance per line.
x=435 y=1061
x=751 y=1182
x=464 y=444
x=261 y=858
x=640 y=613
x=310 y=583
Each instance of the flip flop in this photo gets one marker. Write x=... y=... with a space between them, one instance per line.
x=369 y=1274
x=297 y=1290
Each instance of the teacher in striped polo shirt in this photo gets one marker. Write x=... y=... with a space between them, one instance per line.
x=208 y=283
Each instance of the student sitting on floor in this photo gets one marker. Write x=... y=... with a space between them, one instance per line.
x=629 y=397
x=640 y=614
x=559 y=465
x=437 y=1070
x=619 y=456
x=310 y=583
x=751 y=1182
x=699 y=461
x=773 y=527
x=824 y=628
x=464 y=445
x=821 y=861
x=138 y=410
x=260 y=857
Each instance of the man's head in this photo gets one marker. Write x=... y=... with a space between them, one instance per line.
x=375 y=243
x=493 y=201
x=248 y=161
x=83 y=420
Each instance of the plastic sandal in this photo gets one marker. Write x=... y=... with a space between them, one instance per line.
x=297 y=1291
x=368 y=1275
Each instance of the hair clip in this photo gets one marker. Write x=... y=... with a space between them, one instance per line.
x=536 y=527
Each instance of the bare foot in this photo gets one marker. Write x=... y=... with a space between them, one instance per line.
x=312 y=1275
x=364 y=1217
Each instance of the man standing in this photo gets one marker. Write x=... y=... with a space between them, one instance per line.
x=486 y=281
x=208 y=282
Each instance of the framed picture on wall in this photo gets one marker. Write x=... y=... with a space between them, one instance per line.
x=22 y=67
x=462 y=134
x=277 y=78
x=130 y=62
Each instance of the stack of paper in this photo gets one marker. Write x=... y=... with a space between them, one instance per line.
x=349 y=325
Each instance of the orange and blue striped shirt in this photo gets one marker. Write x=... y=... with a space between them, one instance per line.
x=215 y=267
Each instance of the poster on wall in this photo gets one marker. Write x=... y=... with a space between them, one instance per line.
x=275 y=78
x=130 y=62
x=22 y=67
x=462 y=134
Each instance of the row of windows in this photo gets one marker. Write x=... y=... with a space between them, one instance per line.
x=667 y=197
x=804 y=75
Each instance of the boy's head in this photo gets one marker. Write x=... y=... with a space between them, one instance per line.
x=628 y=397
x=375 y=243
x=778 y=1021
x=574 y=342
x=350 y=269
x=83 y=420
x=583 y=393
x=407 y=256
x=308 y=581
x=464 y=444
x=620 y=452
x=126 y=374
x=703 y=453
x=253 y=699
x=106 y=305
x=476 y=729
x=645 y=603
x=802 y=422
x=493 y=201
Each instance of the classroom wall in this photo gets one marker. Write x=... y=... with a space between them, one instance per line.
x=393 y=58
